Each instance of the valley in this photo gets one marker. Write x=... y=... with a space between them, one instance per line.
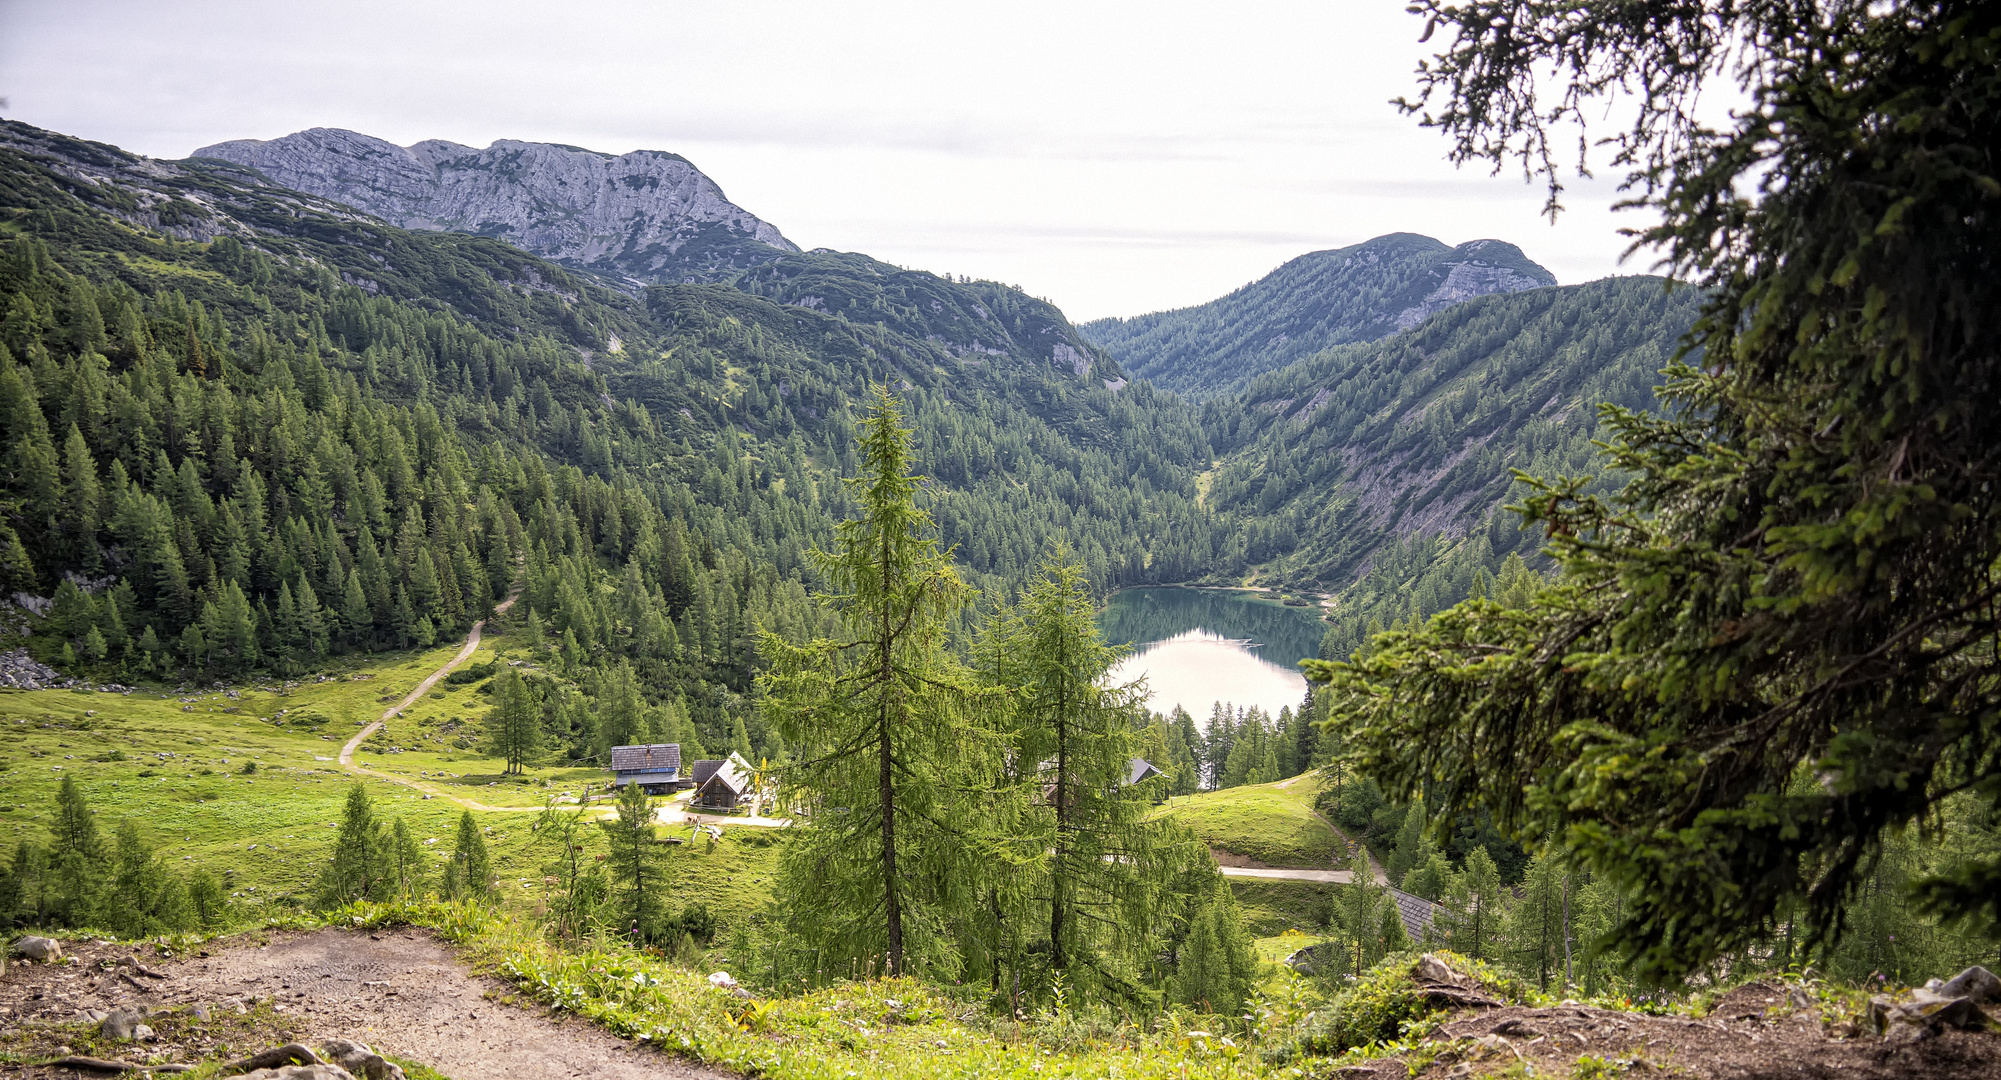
x=360 y=499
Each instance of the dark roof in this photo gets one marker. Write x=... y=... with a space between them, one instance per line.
x=704 y=769
x=732 y=772
x=1415 y=911
x=1140 y=769
x=658 y=757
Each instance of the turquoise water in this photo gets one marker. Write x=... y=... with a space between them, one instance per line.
x=1196 y=647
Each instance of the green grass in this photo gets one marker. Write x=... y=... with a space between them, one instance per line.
x=1271 y=824
x=171 y=764
x=1274 y=907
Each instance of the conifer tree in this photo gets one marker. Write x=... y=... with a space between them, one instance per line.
x=1217 y=968
x=78 y=863
x=1096 y=866
x=882 y=717
x=406 y=860
x=514 y=724
x=1476 y=906
x=469 y=873
x=206 y=901
x=358 y=867
x=639 y=875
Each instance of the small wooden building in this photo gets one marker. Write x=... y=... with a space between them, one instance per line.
x=655 y=767
x=727 y=784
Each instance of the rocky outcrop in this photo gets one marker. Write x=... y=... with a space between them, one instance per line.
x=1933 y=1007
x=647 y=216
x=1475 y=275
x=19 y=671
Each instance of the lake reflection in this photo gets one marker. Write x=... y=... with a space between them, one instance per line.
x=1196 y=647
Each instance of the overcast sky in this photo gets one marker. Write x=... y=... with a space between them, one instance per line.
x=1116 y=158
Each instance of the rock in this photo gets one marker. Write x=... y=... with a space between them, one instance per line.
x=359 y=1059
x=39 y=948
x=1431 y=969
x=297 y=1072
x=123 y=1025
x=19 y=671
x=142 y=1033
x=277 y=1057
x=1920 y=1016
x=1975 y=983
x=647 y=215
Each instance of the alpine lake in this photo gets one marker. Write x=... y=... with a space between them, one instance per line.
x=1196 y=647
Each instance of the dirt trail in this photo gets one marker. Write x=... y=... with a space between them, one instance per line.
x=465 y=653
x=397 y=990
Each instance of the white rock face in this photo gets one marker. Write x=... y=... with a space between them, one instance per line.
x=647 y=215
x=1464 y=281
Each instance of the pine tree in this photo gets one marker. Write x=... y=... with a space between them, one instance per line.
x=639 y=875
x=358 y=867
x=514 y=724
x=78 y=863
x=884 y=711
x=469 y=874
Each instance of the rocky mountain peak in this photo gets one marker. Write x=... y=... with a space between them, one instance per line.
x=647 y=216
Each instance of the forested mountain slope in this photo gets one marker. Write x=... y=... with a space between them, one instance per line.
x=1362 y=456
x=1361 y=293
x=647 y=216
x=246 y=428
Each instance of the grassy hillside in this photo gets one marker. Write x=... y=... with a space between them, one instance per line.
x=1273 y=824
x=173 y=764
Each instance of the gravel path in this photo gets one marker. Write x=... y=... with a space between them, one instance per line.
x=397 y=990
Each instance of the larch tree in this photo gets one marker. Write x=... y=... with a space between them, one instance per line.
x=639 y=875
x=1095 y=869
x=1798 y=581
x=514 y=725
x=883 y=718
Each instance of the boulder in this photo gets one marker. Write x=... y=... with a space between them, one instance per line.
x=39 y=948
x=360 y=1060
x=1920 y=1016
x=1975 y=983
x=298 y=1072
x=124 y=1025
x=1433 y=970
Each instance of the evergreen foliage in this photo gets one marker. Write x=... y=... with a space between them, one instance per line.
x=1090 y=873
x=469 y=872
x=1796 y=584
x=1361 y=293
x=884 y=720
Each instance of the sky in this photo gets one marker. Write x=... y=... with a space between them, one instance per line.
x=1116 y=158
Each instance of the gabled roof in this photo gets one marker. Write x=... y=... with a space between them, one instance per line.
x=703 y=769
x=657 y=757
x=732 y=772
x=1140 y=769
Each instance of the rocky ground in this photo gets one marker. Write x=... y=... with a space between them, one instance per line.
x=1757 y=1031
x=398 y=991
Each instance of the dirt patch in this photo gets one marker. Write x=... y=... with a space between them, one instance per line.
x=1231 y=858
x=399 y=991
x=1753 y=1033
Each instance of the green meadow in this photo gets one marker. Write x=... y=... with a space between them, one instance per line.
x=249 y=785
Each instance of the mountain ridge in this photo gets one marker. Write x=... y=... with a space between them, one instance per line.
x=646 y=217
x=1364 y=292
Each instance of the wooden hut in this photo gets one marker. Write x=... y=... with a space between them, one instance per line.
x=655 y=767
x=726 y=785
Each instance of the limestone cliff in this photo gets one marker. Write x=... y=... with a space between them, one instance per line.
x=646 y=216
